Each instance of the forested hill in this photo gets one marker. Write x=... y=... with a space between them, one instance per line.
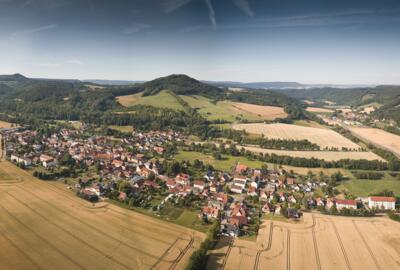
x=386 y=95
x=26 y=100
x=185 y=85
x=351 y=96
x=182 y=85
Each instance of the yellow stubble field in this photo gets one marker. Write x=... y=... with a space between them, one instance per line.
x=44 y=226
x=320 y=136
x=378 y=137
x=319 y=242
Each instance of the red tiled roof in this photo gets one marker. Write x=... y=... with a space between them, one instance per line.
x=383 y=199
x=199 y=183
x=346 y=202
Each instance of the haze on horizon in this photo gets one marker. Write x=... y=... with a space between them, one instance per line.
x=339 y=42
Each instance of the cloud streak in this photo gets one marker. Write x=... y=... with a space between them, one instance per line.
x=171 y=5
x=211 y=13
x=74 y=62
x=348 y=17
x=244 y=6
x=46 y=65
x=36 y=30
x=135 y=28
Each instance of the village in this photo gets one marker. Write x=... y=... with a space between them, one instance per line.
x=138 y=172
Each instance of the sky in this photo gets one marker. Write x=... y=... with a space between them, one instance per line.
x=308 y=41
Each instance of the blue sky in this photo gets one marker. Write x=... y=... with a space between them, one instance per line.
x=309 y=41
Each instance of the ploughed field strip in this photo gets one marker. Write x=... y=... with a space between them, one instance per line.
x=320 y=242
x=325 y=138
x=45 y=227
x=380 y=138
x=326 y=155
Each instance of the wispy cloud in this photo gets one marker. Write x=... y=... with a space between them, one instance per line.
x=211 y=13
x=244 y=6
x=136 y=27
x=46 y=65
x=36 y=30
x=347 y=17
x=74 y=62
x=171 y=5
x=57 y=64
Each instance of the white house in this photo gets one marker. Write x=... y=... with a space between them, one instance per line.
x=199 y=184
x=346 y=204
x=47 y=161
x=240 y=183
x=23 y=160
x=387 y=203
x=236 y=189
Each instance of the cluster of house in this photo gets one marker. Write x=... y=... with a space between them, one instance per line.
x=379 y=203
x=31 y=148
x=223 y=194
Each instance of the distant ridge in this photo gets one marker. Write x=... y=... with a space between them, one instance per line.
x=13 y=77
x=282 y=85
x=113 y=82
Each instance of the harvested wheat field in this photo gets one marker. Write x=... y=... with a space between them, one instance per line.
x=6 y=125
x=326 y=155
x=265 y=112
x=46 y=227
x=325 y=138
x=379 y=137
x=319 y=242
x=318 y=110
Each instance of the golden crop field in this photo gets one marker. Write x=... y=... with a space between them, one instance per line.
x=265 y=112
x=325 y=138
x=5 y=124
x=326 y=155
x=379 y=137
x=232 y=111
x=44 y=226
x=317 y=242
x=318 y=110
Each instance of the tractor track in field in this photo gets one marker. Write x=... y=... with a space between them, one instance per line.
x=367 y=246
x=257 y=260
x=94 y=228
x=230 y=245
x=182 y=254
x=63 y=254
x=70 y=234
x=341 y=245
x=76 y=201
x=288 y=250
x=21 y=251
x=315 y=244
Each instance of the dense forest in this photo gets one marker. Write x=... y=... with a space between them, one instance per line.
x=27 y=101
x=387 y=95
